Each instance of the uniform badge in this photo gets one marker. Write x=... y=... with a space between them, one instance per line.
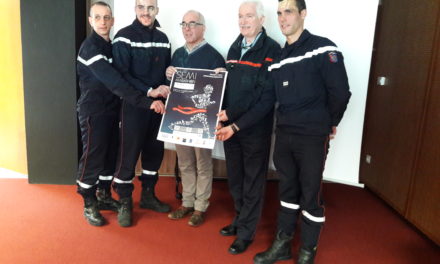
x=286 y=83
x=333 y=57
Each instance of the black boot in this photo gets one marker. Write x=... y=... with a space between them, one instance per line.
x=280 y=250
x=150 y=201
x=91 y=212
x=306 y=256
x=105 y=200
x=125 y=211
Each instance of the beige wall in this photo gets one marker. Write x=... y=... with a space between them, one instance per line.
x=12 y=126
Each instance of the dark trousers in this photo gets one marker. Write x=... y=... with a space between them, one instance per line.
x=299 y=161
x=247 y=158
x=99 y=135
x=138 y=133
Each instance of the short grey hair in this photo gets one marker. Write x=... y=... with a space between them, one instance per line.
x=199 y=15
x=136 y=1
x=100 y=3
x=259 y=8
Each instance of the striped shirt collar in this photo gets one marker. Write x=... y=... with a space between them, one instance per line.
x=245 y=47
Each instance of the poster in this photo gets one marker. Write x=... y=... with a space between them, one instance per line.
x=191 y=110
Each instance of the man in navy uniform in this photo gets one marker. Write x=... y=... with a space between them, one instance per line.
x=141 y=53
x=312 y=91
x=98 y=107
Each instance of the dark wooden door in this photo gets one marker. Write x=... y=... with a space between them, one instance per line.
x=403 y=53
x=424 y=201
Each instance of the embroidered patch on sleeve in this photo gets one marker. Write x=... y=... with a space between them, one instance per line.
x=333 y=57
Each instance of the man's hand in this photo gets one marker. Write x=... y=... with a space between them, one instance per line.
x=158 y=107
x=161 y=91
x=333 y=133
x=224 y=133
x=217 y=70
x=170 y=71
x=222 y=116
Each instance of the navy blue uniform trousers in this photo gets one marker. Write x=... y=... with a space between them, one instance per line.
x=299 y=161
x=247 y=159
x=138 y=133
x=99 y=135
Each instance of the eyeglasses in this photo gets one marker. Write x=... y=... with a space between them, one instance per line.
x=148 y=8
x=191 y=24
x=106 y=18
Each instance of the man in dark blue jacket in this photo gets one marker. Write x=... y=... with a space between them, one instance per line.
x=195 y=164
x=141 y=53
x=312 y=91
x=247 y=117
x=98 y=106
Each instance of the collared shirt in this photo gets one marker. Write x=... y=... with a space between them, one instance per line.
x=245 y=47
x=196 y=47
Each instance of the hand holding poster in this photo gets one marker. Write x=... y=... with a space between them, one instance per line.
x=191 y=110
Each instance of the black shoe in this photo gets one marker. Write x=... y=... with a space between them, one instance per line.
x=150 y=201
x=306 y=256
x=91 y=212
x=239 y=246
x=280 y=250
x=125 y=211
x=228 y=230
x=105 y=200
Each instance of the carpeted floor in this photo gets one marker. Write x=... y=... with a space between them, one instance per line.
x=44 y=224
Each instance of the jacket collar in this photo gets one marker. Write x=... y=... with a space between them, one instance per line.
x=98 y=39
x=289 y=48
x=138 y=25
x=238 y=42
x=302 y=38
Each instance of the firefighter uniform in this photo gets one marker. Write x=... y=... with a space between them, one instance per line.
x=98 y=107
x=142 y=55
x=312 y=91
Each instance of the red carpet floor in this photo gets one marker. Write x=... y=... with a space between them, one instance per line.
x=44 y=224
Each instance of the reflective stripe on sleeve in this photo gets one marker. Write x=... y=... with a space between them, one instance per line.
x=94 y=59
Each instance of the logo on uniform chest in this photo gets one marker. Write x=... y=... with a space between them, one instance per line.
x=285 y=83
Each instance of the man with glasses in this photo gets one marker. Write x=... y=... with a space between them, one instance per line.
x=141 y=52
x=312 y=91
x=247 y=117
x=195 y=164
x=98 y=106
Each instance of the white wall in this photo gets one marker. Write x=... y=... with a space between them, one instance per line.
x=348 y=23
